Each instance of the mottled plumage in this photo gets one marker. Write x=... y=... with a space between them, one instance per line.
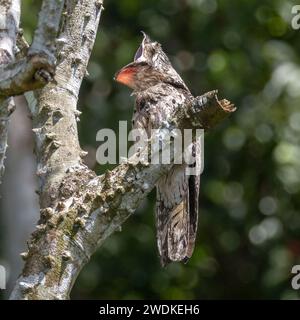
x=159 y=91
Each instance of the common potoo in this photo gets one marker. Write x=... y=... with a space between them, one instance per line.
x=159 y=91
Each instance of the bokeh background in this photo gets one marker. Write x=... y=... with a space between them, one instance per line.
x=249 y=228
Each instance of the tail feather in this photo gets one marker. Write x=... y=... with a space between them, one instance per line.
x=194 y=185
x=176 y=215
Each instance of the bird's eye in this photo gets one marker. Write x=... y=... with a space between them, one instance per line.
x=139 y=53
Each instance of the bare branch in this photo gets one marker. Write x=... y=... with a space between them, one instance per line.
x=9 y=23
x=45 y=34
x=25 y=75
x=6 y=108
x=37 y=69
x=29 y=73
x=54 y=107
x=54 y=118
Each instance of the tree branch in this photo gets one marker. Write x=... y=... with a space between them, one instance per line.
x=6 y=108
x=55 y=125
x=54 y=108
x=31 y=72
x=37 y=69
x=46 y=32
x=9 y=23
x=25 y=75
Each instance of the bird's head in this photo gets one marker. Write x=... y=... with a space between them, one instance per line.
x=149 y=67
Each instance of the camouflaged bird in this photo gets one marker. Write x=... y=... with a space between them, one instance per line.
x=159 y=91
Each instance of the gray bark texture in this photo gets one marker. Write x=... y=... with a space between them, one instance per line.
x=78 y=210
x=9 y=23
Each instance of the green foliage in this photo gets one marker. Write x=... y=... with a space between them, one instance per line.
x=249 y=204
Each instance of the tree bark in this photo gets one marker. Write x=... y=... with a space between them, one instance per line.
x=9 y=24
x=30 y=72
x=79 y=210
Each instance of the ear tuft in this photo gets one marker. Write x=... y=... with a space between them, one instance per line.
x=140 y=52
x=146 y=38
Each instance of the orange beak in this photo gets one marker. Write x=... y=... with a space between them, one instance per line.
x=126 y=75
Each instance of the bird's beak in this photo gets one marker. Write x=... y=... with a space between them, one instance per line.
x=126 y=75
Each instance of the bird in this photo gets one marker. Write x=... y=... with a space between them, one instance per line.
x=159 y=91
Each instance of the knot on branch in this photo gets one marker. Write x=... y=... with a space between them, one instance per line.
x=27 y=74
x=42 y=66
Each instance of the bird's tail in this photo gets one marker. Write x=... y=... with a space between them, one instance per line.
x=176 y=215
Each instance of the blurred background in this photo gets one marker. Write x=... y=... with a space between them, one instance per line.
x=249 y=228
